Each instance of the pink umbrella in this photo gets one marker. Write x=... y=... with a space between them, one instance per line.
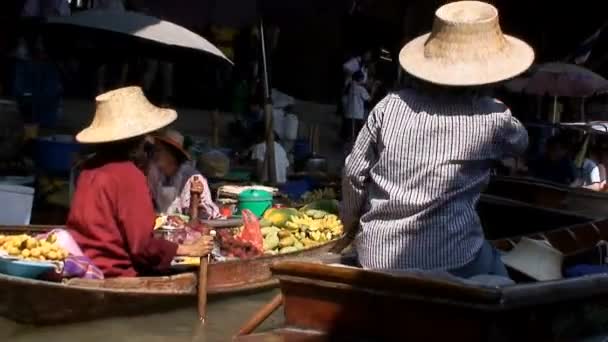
x=560 y=79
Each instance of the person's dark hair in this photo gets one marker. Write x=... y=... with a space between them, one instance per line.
x=125 y=150
x=358 y=76
x=595 y=150
x=453 y=91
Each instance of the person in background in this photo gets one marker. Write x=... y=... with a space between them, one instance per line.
x=171 y=176
x=46 y=8
x=112 y=216
x=280 y=103
x=291 y=127
x=357 y=97
x=357 y=63
x=415 y=174
x=555 y=165
x=591 y=177
x=258 y=154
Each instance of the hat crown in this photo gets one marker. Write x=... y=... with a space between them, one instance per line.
x=465 y=31
x=466 y=48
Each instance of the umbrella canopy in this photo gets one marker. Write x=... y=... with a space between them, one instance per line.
x=140 y=26
x=560 y=79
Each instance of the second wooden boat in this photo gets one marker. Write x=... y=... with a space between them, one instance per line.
x=338 y=303
x=550 y=195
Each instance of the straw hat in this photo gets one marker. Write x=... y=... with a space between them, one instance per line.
x=175 y=139
x=536 y=259
x=122 y=114
x=466 y=48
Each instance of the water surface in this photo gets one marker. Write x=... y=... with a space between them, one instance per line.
x=224 y=319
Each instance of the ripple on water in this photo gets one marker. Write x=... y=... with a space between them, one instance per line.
x=225 y=317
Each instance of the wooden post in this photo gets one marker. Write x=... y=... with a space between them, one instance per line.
x=270 y=156
x=269 y=161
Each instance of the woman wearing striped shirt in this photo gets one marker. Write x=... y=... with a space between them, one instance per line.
x=416 y=171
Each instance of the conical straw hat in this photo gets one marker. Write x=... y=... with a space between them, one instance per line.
x=536 y=259
x=122 y=114
x=175 y=139
x=466 y=48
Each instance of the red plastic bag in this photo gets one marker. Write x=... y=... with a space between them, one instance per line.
x=252 y=232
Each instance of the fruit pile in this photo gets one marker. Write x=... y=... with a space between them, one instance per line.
x=233 y=247
x=30 y=248
x=287 y=230
x=319 y=194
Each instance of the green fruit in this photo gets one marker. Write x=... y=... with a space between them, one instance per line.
x=271 y=241
x=290 y=249
x=269 y=230
x=279 y=217
x=265 y=223
x=287 y=241
x=328 y=206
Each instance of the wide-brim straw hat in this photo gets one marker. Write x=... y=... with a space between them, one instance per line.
x=123 y=114
x=536 y=259
x=174 y=139
x=466 y=48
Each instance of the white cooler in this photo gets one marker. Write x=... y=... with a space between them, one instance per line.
x=15 y=204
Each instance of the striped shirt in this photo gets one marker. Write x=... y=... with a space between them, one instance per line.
x=415 y=175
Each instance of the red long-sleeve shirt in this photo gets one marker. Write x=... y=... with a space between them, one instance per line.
x=112 y=220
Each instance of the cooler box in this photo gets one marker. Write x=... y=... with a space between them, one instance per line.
x=16 y=204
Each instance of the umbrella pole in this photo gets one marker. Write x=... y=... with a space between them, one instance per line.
x=555 y=116
x=270 y=156
x=583 y=109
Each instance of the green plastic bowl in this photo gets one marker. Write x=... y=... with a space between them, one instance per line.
x=257 y=201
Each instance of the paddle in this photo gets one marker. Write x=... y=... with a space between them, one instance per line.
x=196 y=189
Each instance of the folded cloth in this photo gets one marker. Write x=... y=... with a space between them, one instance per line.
x=80 y=267
x=583 y=270
x=76 y=265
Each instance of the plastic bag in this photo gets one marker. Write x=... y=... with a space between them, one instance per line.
x=252 y=232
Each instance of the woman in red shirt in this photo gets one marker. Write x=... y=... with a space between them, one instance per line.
x=111 y=216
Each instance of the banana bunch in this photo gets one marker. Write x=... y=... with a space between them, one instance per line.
x=319 y=194
x=30 y=248
x=316 y=225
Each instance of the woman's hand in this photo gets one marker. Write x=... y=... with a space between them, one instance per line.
x=199 y=248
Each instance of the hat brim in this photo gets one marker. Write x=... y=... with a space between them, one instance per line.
x=516 y=58
x=174 y=145
x=97 y=135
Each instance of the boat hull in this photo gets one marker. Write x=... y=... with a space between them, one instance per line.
x=335 y=303
x=42 y=302
x=549 y=195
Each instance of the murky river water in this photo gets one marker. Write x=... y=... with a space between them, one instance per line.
x=225 y=318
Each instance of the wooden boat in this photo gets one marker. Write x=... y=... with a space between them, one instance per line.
x=337 y=303
x=41 y=302
x=550 y=195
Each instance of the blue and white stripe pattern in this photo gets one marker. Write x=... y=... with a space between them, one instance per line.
x=415 y=175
